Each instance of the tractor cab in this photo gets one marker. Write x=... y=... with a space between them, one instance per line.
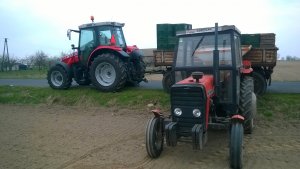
x=197 y=51
x=98 y=35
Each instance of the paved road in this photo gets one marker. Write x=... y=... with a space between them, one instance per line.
x=276 y=87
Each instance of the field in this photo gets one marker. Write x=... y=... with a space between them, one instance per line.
x=82 y=128
x=286 y=71
x=43 y=128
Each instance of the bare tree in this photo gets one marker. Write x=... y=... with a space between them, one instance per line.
x=40 y=59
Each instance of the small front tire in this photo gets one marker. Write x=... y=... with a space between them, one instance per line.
x=236 y=145
x=154 y=137
x=58 y=78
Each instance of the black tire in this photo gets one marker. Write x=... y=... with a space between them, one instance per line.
x=108 y=72
x=260 y=84
x=167 y=81
x=141 y=70
x=246 y=103
x=58 y=78
x=154 y=137
x=236 y=145
x=249 y=126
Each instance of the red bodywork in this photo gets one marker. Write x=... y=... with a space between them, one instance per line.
x=74 y=58
x=208 y=83
x=70 y=59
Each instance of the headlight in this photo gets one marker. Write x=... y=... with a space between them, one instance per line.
x=177 y=111
x=196 y=113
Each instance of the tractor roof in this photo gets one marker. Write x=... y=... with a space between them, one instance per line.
x=206 y=30
x=101 y=24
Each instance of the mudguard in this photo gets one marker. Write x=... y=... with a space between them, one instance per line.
x=64 y=65
x=135 y=54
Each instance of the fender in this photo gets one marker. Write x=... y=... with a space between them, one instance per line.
x=135 y=54
x=157 y=113
x=237 y=118
x=102 y=49
x=246 y=69
x=64 y=65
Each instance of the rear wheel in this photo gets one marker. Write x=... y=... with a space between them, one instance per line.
x=58 y=78
x=236 y=145
x=247 y=103
x=154 y=137
x=167 y=81
x=260 y=84
x=108 y=72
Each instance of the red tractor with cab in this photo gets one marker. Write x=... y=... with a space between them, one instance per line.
x=213 y=89
x=102 y=58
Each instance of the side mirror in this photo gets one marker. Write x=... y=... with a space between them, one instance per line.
x=69 y=34
x=73 y=46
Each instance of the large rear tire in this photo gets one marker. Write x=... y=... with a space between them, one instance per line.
x=260 y=84
x=108 y=72
x=247 y=102
x=167 y=81
x=154 y=137
x=58 y=78
x=236 y=145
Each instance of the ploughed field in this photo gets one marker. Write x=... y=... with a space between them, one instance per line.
x=42 y=136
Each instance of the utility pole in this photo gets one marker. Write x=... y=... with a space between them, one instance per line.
x=5 y=56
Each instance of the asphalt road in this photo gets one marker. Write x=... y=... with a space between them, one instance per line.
x=276 y=87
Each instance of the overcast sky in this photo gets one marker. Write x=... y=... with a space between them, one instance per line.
x=32 y=25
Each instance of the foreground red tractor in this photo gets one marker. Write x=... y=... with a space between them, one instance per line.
x=102 y=58
x=213 y=89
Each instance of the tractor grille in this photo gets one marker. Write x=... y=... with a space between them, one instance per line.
x=188 y=98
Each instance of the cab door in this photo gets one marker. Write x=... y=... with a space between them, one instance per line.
x=87 y=43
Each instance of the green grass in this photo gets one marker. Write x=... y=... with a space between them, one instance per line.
x=270 y=106
x=84 y=96
x=24 y=74
x=279 y=106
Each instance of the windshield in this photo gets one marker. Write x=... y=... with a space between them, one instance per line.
x=197 y=51
x=105 y=35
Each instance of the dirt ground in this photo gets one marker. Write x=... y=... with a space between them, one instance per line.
x=63 y=137
x=286 y=71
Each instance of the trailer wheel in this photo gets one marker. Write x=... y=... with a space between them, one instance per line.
x=108 y=72
x=260 y=84
x=154 y=137
x=247 y=100
x=58 y=78
x=167 y=81
x=236 y=145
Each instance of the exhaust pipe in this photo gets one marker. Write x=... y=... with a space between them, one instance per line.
x=216 y=63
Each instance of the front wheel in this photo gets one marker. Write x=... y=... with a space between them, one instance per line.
x=58 y=78
x=154 y=137
x=236 y=145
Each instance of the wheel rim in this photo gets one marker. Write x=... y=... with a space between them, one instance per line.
x=56 y=78
x=105 y=74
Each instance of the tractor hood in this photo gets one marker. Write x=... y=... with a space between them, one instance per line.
x=207 y=81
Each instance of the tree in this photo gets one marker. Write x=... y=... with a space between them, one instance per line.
x=40 y=59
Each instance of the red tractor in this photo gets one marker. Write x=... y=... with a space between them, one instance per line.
x=102 y=58
x=213 y=89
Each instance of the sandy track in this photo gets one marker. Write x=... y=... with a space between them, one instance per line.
x=82 y=138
